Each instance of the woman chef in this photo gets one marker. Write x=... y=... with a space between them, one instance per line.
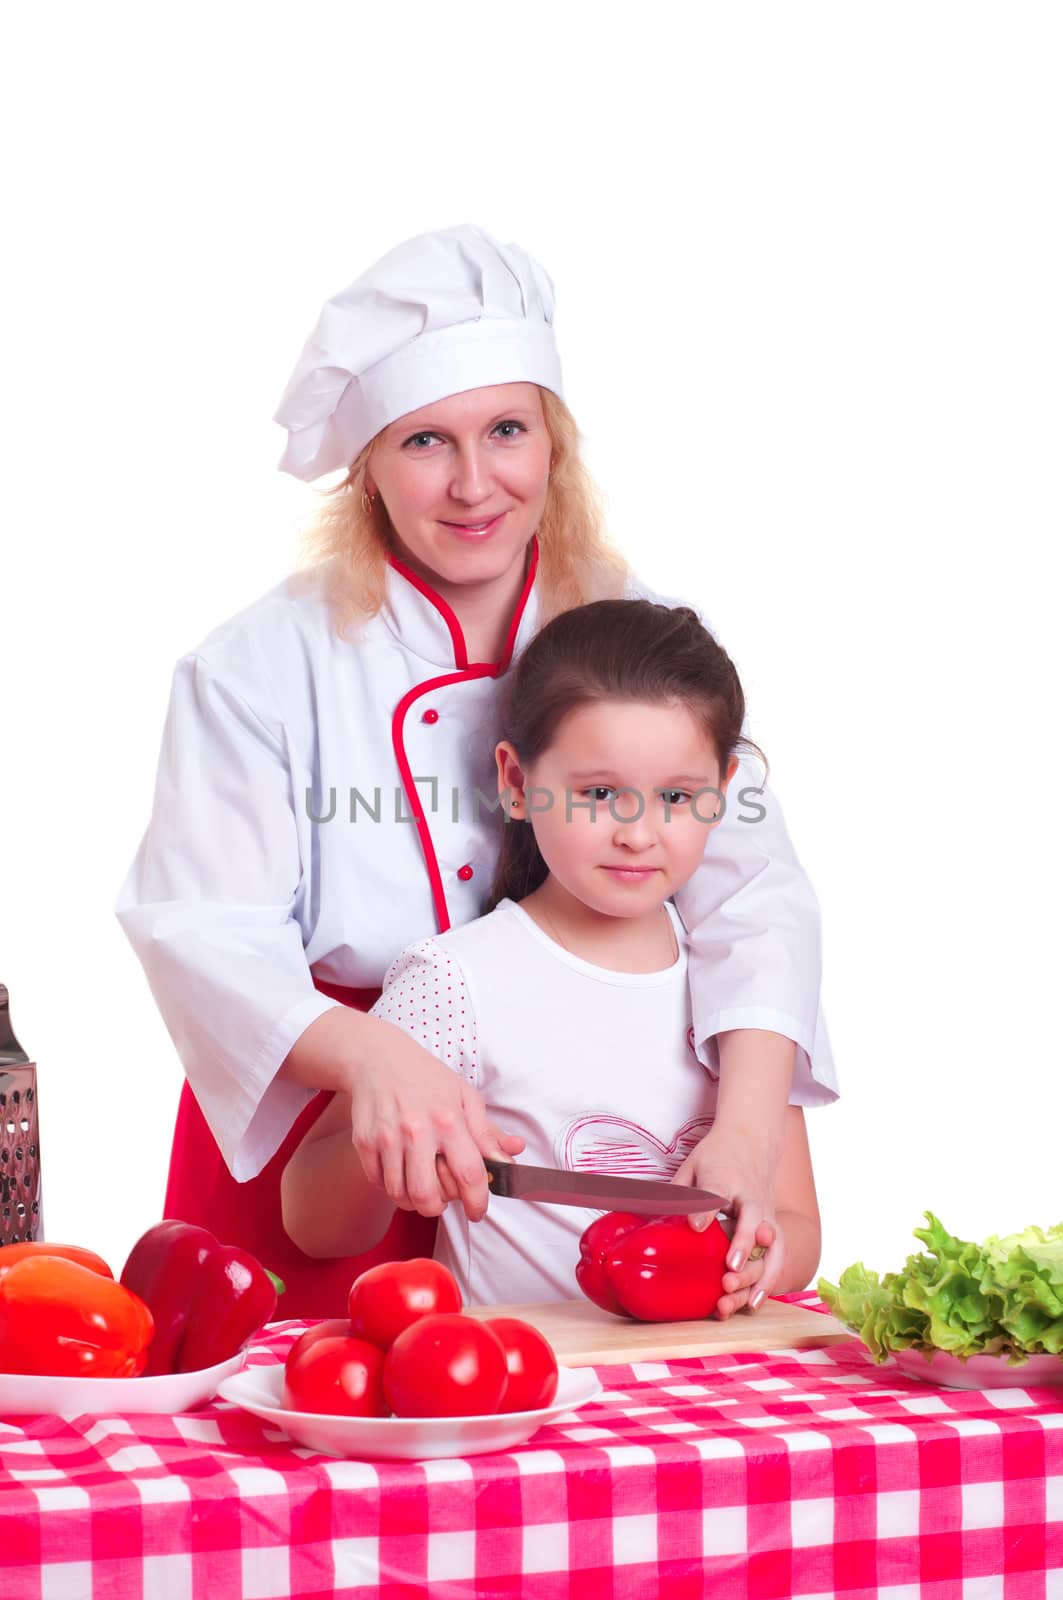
x=324 y=794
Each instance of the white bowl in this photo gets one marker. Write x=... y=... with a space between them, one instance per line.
x=978 y=1372
x=260 y=1390
x=165 y=1394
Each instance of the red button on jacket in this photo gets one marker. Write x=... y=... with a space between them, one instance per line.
x=430 y=716
x=464 y=873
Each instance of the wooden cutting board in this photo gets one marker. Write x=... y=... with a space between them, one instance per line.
x=584 y=1336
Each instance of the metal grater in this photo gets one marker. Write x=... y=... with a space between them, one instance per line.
x=20 y=1143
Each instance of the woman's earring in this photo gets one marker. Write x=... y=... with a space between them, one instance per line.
x=367 y=503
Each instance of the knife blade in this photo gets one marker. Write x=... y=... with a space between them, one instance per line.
x=598 y=1191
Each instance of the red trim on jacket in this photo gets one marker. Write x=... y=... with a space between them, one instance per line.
x=457 y=637
x=413 y=798
x=487 y=669
x=518 y=612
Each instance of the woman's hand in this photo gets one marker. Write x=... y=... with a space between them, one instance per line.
x=421 y=1132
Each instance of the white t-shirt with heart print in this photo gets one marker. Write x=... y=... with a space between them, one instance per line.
x=595 y=1069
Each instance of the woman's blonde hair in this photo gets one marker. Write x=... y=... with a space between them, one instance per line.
x=577 y=563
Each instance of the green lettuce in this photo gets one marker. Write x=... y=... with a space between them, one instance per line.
x=1002 y=1297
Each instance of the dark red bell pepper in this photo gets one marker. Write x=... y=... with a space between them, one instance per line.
x=655 y=1269
x=68 y=1320
x=207 y=1298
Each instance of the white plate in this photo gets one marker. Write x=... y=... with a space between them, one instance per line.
x=979 y=1372
x=259 y=1390
x=167 y=1393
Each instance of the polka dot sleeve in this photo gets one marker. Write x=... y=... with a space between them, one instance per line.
x=424 y=992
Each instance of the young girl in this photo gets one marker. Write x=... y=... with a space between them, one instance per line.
x=567 y=1003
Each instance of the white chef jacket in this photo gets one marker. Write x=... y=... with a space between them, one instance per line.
x=280 y=844
x=594 y=1069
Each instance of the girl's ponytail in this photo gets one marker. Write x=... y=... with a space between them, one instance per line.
x=520 y=867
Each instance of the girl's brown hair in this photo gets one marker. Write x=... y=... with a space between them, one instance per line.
x=610 y=650
x=577 y=563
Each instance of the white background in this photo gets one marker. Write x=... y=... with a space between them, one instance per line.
x=808 y=264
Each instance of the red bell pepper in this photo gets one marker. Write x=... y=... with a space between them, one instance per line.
x=207 y=1298
x=596 y=1243
x=655 y=1269
x=68 y=1320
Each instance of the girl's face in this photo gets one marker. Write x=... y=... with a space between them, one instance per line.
x=464 y=483
x=622 y=802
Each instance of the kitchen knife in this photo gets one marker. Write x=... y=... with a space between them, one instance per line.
x=598 y=1191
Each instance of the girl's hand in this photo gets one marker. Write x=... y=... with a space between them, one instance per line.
x=407 y=1111
x=746 y=1177
x=744 y=1290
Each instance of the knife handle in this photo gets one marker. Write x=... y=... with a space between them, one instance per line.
x=498 y=1178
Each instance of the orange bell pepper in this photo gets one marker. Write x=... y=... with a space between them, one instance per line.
x=40 y=1247
x=68 y=1320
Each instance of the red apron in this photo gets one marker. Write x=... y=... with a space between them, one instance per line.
x=201 y=1189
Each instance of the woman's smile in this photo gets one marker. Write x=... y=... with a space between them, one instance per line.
x=475 y=530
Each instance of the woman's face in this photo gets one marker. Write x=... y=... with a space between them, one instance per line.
x=464 y=483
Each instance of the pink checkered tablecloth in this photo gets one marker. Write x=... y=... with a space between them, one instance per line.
x=803 y=1473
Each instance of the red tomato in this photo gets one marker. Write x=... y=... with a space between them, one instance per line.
x=387 y=1299
x=339 y=1376
x=331 y=1328
x=445 y=1366
x=531 y=1365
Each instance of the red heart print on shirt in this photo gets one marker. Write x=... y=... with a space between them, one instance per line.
x=622 y=1148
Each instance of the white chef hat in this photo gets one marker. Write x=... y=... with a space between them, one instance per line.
x=440 y=314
